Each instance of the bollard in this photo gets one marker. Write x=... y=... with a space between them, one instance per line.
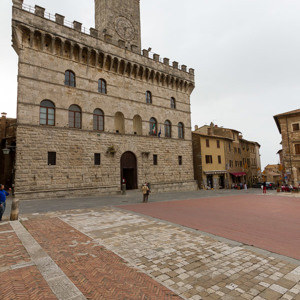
x=14 y=214
x=123 y=189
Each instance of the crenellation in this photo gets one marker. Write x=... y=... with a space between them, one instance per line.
x=77 y=25
x=192 y=71
x=166 y=61
x=146 y=53
x=156 y=57
x=39 y=11
x=18 y=3
x=59 y=19
x=94 y=33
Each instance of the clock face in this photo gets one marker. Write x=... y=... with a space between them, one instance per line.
x=124 y=28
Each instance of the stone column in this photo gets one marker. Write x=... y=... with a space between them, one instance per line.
x=31 y=38
x=80 y=54
x=96 y=59
x=71 y=50
x=53 y=45
x=88 y=56
x=42 y=41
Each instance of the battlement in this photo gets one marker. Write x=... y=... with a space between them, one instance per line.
x=77 y=26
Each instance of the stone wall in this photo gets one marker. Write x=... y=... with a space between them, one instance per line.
x=75 y=169
x=46 y=51
x=290 y=138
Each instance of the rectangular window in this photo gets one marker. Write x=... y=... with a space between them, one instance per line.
x=207 y=143
x=231 y=163
x=239 y=150
x=229 y=145
x=180 y=160
x=219 y=159
x=236 y=163
x=297 y=149
x=155 y=159
x=97 y=159
x=235 y=150
x=218 y=144
x=296 y=127
x=51 y=158
x=208 y=159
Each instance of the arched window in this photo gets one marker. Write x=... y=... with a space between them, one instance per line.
x=98 y=120
x=137 y=125
x=168 y=129
x=153 y=126
x=119 y=123
x=148 y=97
x=102 y=86
x=180 y=130
x=47 y=113
x=70 y=78
x=74 y=116
x=173 y=103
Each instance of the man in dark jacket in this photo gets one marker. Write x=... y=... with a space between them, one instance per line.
x=3 y=195
x=264 y=187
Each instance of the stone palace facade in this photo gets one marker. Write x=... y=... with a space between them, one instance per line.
x=93 y=108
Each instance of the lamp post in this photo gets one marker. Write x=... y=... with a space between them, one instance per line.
x=6 y=151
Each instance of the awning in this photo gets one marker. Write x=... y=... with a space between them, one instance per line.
x=239 y=174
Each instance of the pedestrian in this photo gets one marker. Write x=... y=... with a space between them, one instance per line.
x=145 y=191
x=3 y=195
x=245 y=186
x=264 y=187
x=149 y=188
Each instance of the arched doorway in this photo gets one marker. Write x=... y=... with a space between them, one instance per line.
x=129 y=170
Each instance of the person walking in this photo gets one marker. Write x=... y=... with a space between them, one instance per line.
x=264 y=187
x=3 y=195
x=145 y=191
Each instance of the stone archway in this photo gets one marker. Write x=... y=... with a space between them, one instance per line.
x=129 y=170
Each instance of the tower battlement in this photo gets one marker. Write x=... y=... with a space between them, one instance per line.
x=103 y=34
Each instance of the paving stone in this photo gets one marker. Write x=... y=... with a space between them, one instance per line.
x=185 y=250
x=99 y=274
x=189 y=263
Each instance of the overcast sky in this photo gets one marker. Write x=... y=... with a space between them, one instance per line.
x=245 y=54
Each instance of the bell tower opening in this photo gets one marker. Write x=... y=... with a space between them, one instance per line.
x=119 y=22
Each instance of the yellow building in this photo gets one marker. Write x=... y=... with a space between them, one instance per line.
x=222 y=158
x=209 y=157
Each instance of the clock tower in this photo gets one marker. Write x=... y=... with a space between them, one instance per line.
x=119 y=22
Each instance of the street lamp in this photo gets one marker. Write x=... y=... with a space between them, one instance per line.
x=6 y=151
